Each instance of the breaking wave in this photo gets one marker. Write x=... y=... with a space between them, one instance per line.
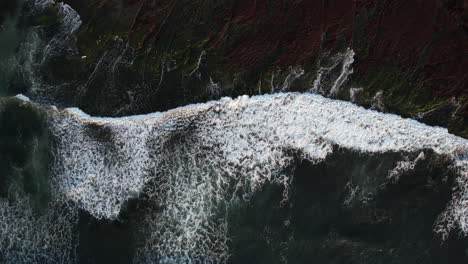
x=192 y=164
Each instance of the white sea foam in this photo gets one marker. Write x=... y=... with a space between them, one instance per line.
x=194 y=162
x=330 y=78
x=200 y=158
x=36 y=50
x=29 y=237
x=23 y=97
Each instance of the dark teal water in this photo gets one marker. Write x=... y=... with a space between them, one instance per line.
x=10 y=37
x=343 y=209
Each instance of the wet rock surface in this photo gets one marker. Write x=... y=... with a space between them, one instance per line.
x=411 y=52
x=286 y=176
x=133 y=57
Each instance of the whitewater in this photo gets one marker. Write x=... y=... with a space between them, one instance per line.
x=195 y=162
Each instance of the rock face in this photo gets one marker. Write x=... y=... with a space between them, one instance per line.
x=409 y=55
x=132 y=57
x=280 y=174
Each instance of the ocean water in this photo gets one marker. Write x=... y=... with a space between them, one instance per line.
x=276 y=178
x=178 y=179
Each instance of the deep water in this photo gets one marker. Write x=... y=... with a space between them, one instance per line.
x=319 y=223
x=281 y=178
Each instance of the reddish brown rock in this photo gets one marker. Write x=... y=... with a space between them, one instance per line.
x=413 y=52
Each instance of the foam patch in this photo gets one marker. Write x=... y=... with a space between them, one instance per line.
x=200 y=159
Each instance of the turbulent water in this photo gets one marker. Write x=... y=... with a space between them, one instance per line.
x=193 y=164
x=281 y=178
